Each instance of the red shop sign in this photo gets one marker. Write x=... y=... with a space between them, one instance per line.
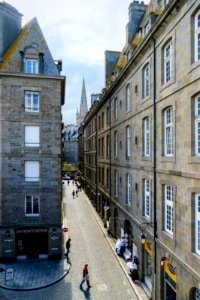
x=65 y=229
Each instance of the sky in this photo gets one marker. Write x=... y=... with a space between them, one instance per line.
x=79 y=32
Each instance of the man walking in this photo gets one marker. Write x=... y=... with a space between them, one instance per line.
x=68 y=245
x=85 y=277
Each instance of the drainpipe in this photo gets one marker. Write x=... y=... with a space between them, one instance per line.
x=154 y=167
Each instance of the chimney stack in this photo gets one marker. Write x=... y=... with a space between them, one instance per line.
x=136 y=13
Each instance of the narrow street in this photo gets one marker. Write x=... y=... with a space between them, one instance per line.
x=90 y=246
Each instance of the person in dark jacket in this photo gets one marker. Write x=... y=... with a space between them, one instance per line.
x=68 y=246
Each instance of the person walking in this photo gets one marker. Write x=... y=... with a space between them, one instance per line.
x=73 y=194
x=68 y=245
x=77 y=193
x=85 y=277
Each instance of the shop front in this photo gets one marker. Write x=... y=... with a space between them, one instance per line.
x=148 y=265
x=31 y=243
x=169 y=280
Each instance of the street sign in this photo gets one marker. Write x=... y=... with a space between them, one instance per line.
x=9 y=274
x=65 y=229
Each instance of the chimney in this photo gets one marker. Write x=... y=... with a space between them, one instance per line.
x=136 y=13
x=10 y=26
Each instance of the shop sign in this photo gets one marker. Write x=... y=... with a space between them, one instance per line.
x=169 y=269
x=147 y=247
x=31 y=230
x=65 y=229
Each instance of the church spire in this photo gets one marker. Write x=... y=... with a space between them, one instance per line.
x=83 y=106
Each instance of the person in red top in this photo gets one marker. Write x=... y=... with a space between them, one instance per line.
x=85 y=277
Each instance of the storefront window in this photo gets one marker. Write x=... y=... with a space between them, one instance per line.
x=148 y=270
x=169 y=281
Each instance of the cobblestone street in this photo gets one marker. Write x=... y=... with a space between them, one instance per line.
x=90 y=246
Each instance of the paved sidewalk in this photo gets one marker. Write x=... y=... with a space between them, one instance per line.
x=136 y=286
x=32 y=275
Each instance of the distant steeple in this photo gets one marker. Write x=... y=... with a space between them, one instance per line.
x=83 y=106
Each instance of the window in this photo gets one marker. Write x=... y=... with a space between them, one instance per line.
x=147 y=28
x=107 y=115
x=32 y=205
x=102 y=170
x=128 y=189
x=99 y=122
x=116 y=185
x=102 y=121
x=31 y=102
x=168 y=132
x=115 y=108
x=146 y=137
x=102 y=148
x=197 y=36
x=128 y=98
x=147 y=198
x=197 y=125
x=31 y=66
x=146 y=81
x=197 y=223
x=99 y=175
x=32 y=171
x=108 y=146
x=196 y=294
x=166 y=2
x=128 y=142
x=108 y=178
x=32 y=136
x=115 y=144
x=169 y=203
x=168 y=62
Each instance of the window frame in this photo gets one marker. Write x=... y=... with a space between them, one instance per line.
x=196 y=35
x=147 y=198
x=197 y=125
x=168 y=133
x=115 y=144
x=115 y=108
x=32 y=214
x=128 y=97
x=116 y=184
x=34 y=66
x=169 y=209
x=146 y=81
x=168 y=62
x=35 y=144
x=146 y=137
x=29 y=97
x=128 y=142
x=197 y=223
x=128 y=189
x=31 y=179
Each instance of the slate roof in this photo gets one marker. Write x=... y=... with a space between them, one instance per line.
x=30 y=33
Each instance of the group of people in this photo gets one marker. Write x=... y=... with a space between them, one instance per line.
x=74 y=193
x=85 y=269
x=132 y=263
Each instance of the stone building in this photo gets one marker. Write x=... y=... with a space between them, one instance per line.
x=31 y=94
x=147 y=144
x=71 y=144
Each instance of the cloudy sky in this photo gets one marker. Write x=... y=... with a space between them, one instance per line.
x=79 y=32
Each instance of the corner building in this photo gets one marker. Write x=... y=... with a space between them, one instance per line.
x=31 y=95
x=148 y=153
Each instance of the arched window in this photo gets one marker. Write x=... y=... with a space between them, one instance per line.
x=128 y=98
x=146 y=81
x=167 y=62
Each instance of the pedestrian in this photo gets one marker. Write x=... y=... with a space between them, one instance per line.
x=73 y=194
x=85 y=277
x=76 y=193
x=68 y=182
x=68 y=245
x=122 y=246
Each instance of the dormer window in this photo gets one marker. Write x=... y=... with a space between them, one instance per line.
x=146 y=28
x=31 y=66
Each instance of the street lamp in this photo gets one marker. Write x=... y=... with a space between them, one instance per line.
x=143 y=227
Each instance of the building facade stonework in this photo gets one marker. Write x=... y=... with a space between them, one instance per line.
x=147 y=146
x=31 y=95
